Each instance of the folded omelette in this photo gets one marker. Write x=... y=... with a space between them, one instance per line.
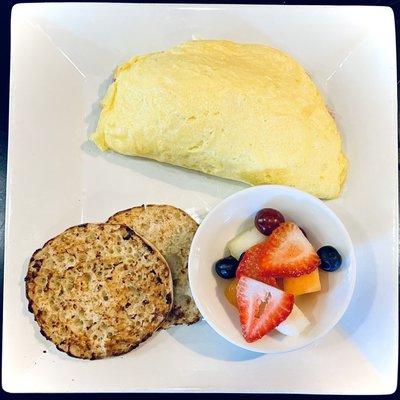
x=246 y=112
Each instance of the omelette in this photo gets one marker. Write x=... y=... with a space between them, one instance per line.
x=246 y=112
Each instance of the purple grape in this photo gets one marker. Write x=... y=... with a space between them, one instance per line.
x=267 y=220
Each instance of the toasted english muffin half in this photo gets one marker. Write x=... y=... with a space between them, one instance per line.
x=98 y=290
x=171 y=230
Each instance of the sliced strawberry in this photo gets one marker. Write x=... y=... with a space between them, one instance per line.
x=261 y=307
x=288 y=253
x=250 y=265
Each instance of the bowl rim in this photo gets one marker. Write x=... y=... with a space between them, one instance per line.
x=290 y=190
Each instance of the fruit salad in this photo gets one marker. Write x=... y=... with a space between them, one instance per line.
x=268 y=266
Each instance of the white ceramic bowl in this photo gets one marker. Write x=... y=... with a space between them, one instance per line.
x=235 y=214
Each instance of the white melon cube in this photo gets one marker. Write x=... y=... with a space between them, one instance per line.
x=294 y=324
x=244 y=241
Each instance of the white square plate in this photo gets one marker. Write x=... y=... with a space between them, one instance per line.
x=62 y=59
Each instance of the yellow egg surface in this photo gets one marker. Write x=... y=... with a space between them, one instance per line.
x=246 y=112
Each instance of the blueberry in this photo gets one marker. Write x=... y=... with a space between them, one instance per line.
x=226 y=267
x=331 y=260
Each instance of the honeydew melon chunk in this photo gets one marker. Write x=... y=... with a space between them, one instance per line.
x=294 y=324
x=244 y=241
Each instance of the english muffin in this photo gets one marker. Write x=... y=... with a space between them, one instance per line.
x=171 y=230
x=98 y=290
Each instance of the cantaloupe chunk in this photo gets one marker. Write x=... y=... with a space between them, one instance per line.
x=308 y=283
